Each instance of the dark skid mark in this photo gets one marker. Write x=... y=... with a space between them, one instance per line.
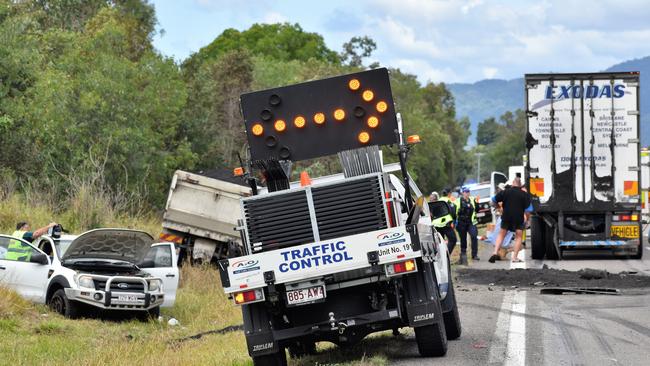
x=624 y=322
x=539 y=318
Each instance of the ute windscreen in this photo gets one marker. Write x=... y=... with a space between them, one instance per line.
x=320 y=118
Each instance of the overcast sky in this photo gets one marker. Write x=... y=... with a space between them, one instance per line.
x=450 y=41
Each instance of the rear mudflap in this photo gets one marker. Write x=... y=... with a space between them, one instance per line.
x=421 y=297
x=257 y=327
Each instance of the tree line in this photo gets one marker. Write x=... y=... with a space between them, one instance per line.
x=85 y=96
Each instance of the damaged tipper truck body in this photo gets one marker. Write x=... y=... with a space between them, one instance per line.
x=583 y=165
x=338 y=257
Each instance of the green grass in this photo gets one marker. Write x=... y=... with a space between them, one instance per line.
x=32 y=334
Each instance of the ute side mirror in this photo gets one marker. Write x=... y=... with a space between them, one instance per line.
x=39 y=258
x=439 y=209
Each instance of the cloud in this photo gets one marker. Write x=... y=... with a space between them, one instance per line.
x=490 y=72
x=274 y=17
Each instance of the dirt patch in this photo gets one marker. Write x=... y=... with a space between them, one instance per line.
x=534 y=278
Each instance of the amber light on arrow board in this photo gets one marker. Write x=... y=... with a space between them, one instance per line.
x=364 y=137
x=257 y=129
x=299 y=122
x=319 y=118
x=339 y=114
x=280 y=125
x=354 y=84
x=373 y=122
x=368 y=95
x=382 y=106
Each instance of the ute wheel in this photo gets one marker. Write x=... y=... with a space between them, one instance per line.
x=302 y=348
x=275 y=359
x=551 y=250
x=537 y=243
x=432 y=339
x=451 y=317
x=60 y=303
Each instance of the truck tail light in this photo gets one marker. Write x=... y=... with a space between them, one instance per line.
x=250 y=296
x=628 y=217
x=399 y=268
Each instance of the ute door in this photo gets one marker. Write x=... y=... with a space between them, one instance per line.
x=160 y=262
x=25 y=273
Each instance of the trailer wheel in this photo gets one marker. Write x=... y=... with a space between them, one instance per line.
x=275 y=359
x=451 y=317
x=551 y=250
x=537 y=243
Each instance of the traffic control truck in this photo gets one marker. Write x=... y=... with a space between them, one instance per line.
x=583 y=164
x=338 y=257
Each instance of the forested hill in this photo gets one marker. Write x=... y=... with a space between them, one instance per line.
x=493 y=97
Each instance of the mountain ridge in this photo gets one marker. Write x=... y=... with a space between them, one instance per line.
x=493 y=97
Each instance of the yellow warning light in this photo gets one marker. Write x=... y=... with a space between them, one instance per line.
x=319 y=118
x=299 y=121
x=239 y=298
x=382 y=106
x=339 y=114
x=364 y=137
x=257 y=129
x=354 y=84
x=368 y=95
x=280 y=125
x=373 y=122
x=409 y=265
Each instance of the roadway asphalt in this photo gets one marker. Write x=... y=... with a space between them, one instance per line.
x=520 y=326
x=503 y=325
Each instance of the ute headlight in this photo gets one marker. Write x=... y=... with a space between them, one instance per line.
x=86 y=282
x=155 y=285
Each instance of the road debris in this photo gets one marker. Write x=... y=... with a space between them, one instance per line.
x=579 y=290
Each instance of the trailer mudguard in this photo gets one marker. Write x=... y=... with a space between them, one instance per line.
x=421 y=296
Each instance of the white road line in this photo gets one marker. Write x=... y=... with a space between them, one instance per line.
x=509 y=345
x=500 y=339
x=516 y=349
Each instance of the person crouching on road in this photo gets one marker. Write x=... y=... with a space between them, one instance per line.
x=516 y=203
x=466 y=208
x=445 y=225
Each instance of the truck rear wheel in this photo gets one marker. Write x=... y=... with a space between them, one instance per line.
x=451 y=317
x=639 y=253
x=432 y=339
x=538 y=246
x=551 y=250
x=275 y=359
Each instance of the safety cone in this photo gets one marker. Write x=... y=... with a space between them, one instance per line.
x=304 y=179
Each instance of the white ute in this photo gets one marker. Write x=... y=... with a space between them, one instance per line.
x=102 y=269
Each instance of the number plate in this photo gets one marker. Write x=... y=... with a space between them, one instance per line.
x=127 y=298
x=480 y=214
x=625 y=231
x=305 y=295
